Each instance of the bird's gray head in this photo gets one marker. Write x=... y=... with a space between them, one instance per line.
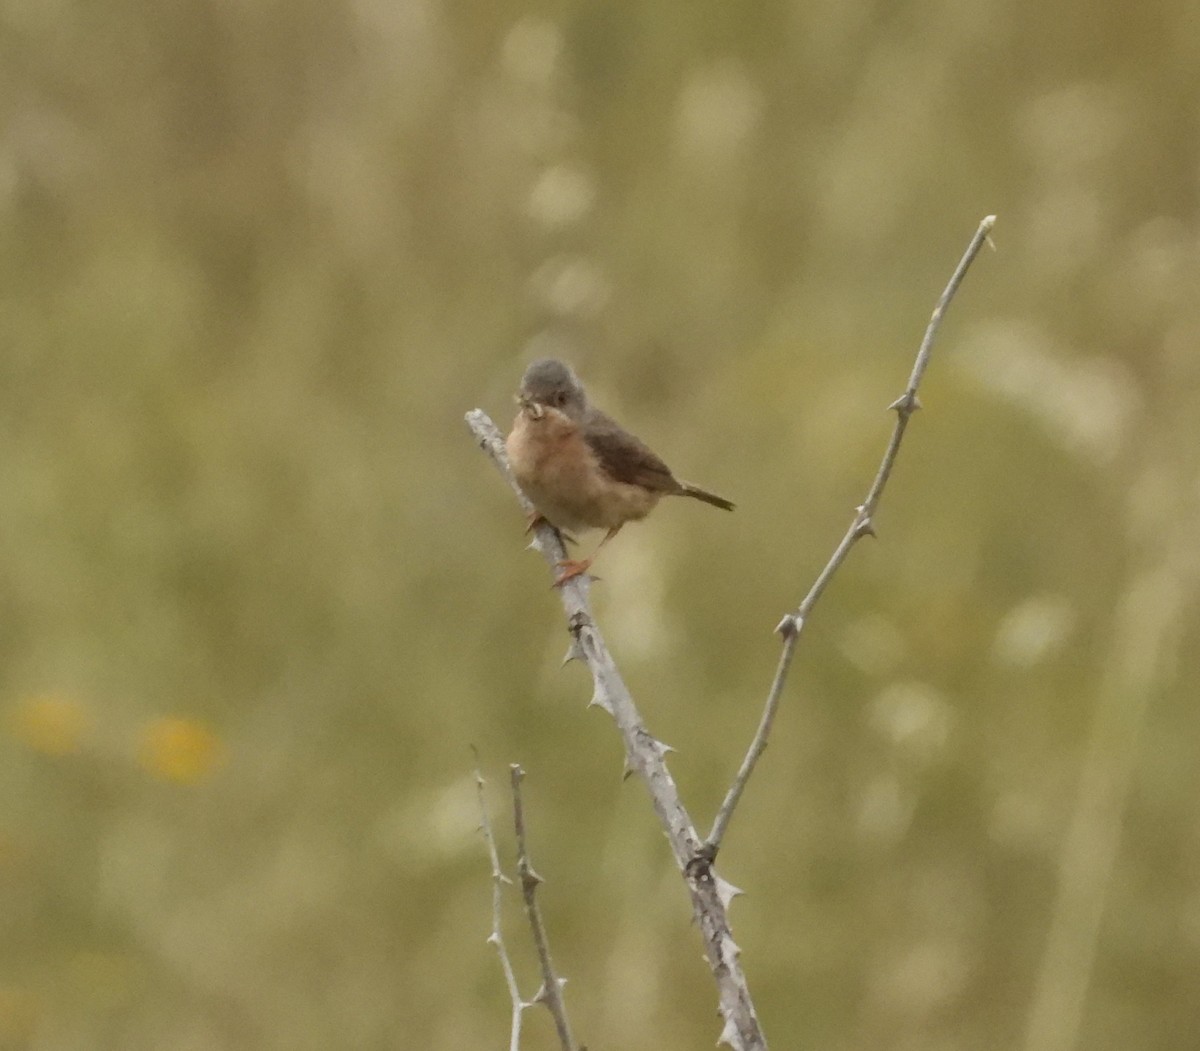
x=550 y=383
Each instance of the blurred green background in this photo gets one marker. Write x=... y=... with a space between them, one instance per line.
x=260 y=592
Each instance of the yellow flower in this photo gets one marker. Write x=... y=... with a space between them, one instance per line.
x=50 y=724
x=180 y=750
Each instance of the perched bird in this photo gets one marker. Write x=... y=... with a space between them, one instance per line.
x=578 y=467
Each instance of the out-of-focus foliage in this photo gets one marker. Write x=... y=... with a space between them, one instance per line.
x=259 y=592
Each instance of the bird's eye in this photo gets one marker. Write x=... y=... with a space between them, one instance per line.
x=560 y=397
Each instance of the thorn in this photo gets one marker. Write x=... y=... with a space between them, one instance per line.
x=906 y=404
x=790 y=626
x=574 y=653
x=726 y=891
x=543 y=995
x=729 y=948
x=865 y=528
x=661 y=748
x=627 y=771
x=729 y=1036
x=599 y=700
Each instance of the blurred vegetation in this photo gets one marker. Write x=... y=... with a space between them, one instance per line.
x=259 y=591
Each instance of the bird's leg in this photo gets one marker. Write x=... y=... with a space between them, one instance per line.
x=571 y=569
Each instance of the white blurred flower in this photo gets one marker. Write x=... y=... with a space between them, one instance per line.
x=718 y=110
x=1086 y=404
x=569 y=285
x=914 y=717
x=1033 y=630
x=885 y=811
x=562 y=195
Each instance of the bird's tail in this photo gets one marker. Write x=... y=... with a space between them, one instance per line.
x=685 y=489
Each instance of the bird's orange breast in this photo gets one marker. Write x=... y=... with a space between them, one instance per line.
x=560 y=474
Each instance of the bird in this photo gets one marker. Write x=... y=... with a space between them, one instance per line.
x=579 y=467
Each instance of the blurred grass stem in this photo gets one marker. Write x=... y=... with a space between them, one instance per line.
x=1144 y=640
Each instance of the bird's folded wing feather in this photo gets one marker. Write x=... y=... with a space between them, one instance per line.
x=624 y=458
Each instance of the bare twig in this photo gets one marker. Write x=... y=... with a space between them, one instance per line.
x=862 y=525
x=644 y=755
x=551 y=991
x=496 y=938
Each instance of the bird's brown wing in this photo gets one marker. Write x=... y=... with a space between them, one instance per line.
x=624 y=457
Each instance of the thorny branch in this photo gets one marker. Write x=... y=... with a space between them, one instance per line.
x=861 y=525
x=645 y=755
x=496 y=938
x=551 y=991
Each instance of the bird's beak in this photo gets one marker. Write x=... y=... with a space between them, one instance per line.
x=529 y=405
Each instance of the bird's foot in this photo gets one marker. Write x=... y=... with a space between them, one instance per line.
x=571 y=569
x=536 y=519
